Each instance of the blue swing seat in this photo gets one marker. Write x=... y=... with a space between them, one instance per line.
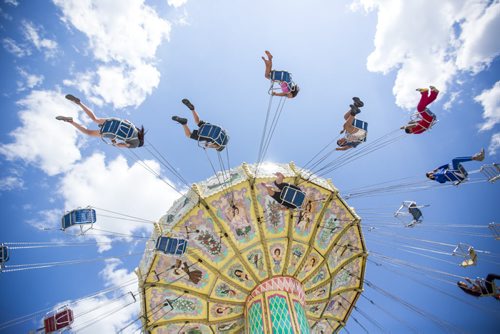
x=293 y=196
x=416 y=213
x=4 y=255
x=281 y=76
x=78 y=217
x=115 y=128
x=171 y=246
x=213 y=134
x=357 y=123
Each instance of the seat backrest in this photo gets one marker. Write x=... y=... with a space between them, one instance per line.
x=293 y=196
x=78 y=217
x=171 y=246
x=214 y=134
x=115 y=128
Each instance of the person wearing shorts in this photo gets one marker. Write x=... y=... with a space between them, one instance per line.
x=280 y=185
x=354 y=136
x=288 y=88
x=195 y=133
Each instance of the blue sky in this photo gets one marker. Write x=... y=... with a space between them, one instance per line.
x=137 y=59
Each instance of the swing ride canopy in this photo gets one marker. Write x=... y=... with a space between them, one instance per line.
x=251 y=266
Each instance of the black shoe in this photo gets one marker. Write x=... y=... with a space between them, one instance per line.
x=357 y=102
x=73 y=98
x=188 y=104
x=180 y=120
x=354 y=110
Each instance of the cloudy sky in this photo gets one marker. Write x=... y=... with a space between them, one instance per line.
x=137 y=59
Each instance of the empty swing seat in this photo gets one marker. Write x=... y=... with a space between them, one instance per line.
x=492 y=172
x=4 y=255
x=213 y=134
x=59 y=320
x=293 y=196
x=78 y=217
x=171 y=246
x=115 y=128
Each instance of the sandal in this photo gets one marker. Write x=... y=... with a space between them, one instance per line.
x=357 y=102
x=188 y=104
x=64 y=118
x=72 y=98
x=180 y=120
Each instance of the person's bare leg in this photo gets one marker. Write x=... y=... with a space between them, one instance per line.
x=196 y=117
x=91 y=114
x=349 y=118
x=269 y=189
x=187 y=132
x=269 y=64
x=93 y=133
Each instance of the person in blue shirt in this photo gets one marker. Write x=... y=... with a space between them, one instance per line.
x=456 y=172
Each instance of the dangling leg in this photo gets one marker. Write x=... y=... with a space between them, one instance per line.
x=426 y=98
x=269 y=64
x=183 y=122
x=476 y=157
x=92 y=133
x=86 y=109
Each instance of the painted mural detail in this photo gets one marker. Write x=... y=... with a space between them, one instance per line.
x=207 y=239
x=256 y=259
x=239 y=274
x=274 y=215
x=178 y=268
x=304 y=219
x=224 y=290
x=174 y=304
x=277 y=256
x=234 y=208
x=296 y=254
x=229 y=326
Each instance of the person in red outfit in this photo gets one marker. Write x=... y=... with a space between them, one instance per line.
x=426 y=118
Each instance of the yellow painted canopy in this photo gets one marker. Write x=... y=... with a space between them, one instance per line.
x=239 y=237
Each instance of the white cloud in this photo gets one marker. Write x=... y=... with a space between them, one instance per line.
x=11 y=183
x=428 y=42
x=494 y=144
x=108 y=313
x=41 y=140
x=453 y=97
x=118 y=187
x=176 y=3
x=12 y=2
x=30 y=80
x=17 y=50
x=47 y=220
x=480 y=42
x=45 y=45
x=120 y=85
x=490 y=100
x=124 y=35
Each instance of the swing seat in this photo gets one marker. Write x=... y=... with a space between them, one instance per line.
x=4 y=255
x=362 y=125
x=78 y=217
x=461 y=175
x=495 y=230
x=171 y=246
x=59 y=320
x=416 y=117
x=416 y=213
x=492 y=172
x=281 y=76
x=115 y=128
x=468 y=253
x=213 y=134
x=293 y=196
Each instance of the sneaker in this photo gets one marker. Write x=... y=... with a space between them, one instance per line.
x=73 y=98
x=422 y=90
x=357 y=102
x=64 y=118
x=354 y=110
x=180 y=120
x=434 y=89
x=188 y=104
x=479 y=156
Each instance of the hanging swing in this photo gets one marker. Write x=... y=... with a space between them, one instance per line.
x=492 y=172
x=58 y=320
x=466 y=252
x=293 y=196
x=80 y=217
x=281 y=80
x=172 y=246
x=4 y=255
x=114 y=129
x=213 y=134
